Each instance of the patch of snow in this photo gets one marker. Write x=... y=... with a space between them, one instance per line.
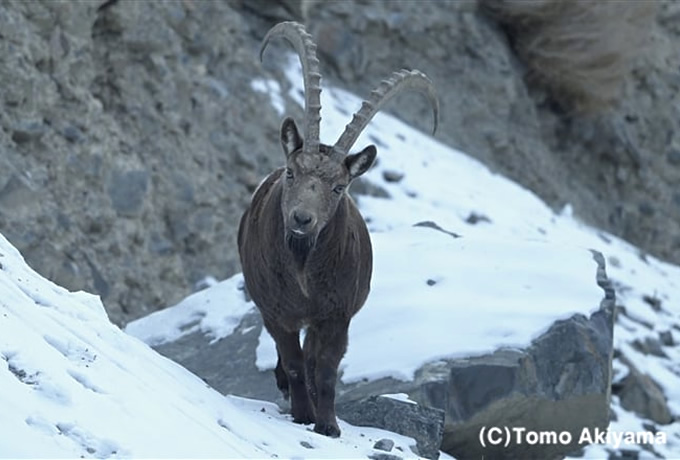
x=273 y=90
x=399 y=397
x=215 y=311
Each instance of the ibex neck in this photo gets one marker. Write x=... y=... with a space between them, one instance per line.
x=314 y=258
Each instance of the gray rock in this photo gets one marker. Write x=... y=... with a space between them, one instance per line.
x=17 y=194
x=393 y=176
x=384 y=456
x=474 y=218
x=384 y=444
x=363 y=187
x=306 y=445
x=666 y=338
x=73 y=134
x=674 y=157
x=649 y=346
x=435 y=226
x=127 y=191
x=227 y=365
x=27 y=131
x=641 y=394
x=424 y=424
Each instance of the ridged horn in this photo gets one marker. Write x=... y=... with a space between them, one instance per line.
x=301 y=41
x=398 y=82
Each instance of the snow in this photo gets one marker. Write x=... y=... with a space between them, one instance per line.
x=202 y=311
x=399 y=397
x=75 y=385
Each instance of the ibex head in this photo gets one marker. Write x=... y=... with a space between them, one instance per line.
x=317 y=176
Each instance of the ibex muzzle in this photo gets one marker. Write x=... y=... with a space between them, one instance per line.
x=304 y=247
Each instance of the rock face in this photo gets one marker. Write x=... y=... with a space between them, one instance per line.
x=554 y=386
x=131 y=136
x=560 y=383
x=128 y=148
x=424 y=424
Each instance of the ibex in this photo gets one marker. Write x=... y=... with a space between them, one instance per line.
x=304 y=247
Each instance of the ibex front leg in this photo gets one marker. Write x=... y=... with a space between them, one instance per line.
x=292 y=363
x=330 y=343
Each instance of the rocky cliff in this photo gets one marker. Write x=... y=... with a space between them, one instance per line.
x=132 y=136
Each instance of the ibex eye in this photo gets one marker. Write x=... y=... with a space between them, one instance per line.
x=339 y=189
x=289 y=173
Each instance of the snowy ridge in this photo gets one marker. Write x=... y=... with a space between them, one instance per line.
x=74 y=385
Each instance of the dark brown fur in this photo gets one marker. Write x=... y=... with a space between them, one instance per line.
x=321 y=289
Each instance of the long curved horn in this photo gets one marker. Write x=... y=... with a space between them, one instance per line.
x=399 y=81
x=297 y=36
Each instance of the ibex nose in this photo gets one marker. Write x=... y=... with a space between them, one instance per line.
x=302 y=218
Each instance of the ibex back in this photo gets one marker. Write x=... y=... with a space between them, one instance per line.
x=304 y=247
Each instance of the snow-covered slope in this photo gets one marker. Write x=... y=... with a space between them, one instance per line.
x=74 y=385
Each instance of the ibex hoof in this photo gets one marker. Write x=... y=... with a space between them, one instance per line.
x=306 y=420
x=328 y=429
x=303 y=417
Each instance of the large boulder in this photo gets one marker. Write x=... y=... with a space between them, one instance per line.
x=559 y=382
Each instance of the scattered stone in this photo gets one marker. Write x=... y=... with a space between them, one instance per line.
x=650 y=346
x=433 y=225
x=306 y=445
x=653 y=302
x=666 y=338
x=641 y=394
x=393 y=176
x=624 y=454
x=160 y=245
x=614 y=261
x=431 y=282
x=73 y=134
x=361 y=186
x=17 y=193
x=384 y=456
x=646 y=209
x=127 y=191
x=474 y=218
x=29 y=130
x=384 y=444
x=621 y=310
x=673 y=157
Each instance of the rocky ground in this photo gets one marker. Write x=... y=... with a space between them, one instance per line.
x=131 y=137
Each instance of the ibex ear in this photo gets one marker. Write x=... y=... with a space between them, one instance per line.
x=290 y=137
x=358 y=163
